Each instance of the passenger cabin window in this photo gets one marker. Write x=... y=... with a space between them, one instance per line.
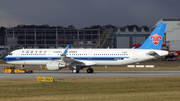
x=22 y=51
x=31 y=51
x=40 y=51
x=36 y=52
x=27 y=51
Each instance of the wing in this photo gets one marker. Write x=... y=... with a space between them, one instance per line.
x=71 y=61
x=66 y=59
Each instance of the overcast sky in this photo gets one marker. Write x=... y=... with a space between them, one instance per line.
x=85 y=13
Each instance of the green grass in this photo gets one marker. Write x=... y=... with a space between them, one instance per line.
x=104 y=89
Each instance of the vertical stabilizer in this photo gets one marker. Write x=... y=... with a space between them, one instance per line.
x=155 y=40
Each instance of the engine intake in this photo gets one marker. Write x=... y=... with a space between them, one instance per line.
x=55 y=65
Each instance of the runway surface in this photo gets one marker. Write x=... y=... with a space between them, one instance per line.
x=66 y=74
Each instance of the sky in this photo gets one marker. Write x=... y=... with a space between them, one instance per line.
x=86 y=13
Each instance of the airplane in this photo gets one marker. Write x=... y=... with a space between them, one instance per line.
x=77 y=59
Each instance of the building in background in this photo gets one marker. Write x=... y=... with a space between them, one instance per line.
x=125 y=37
x=2 y=36
x=3 y=48
x=51 y=37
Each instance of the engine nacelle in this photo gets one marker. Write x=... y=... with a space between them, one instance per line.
x=54 y=66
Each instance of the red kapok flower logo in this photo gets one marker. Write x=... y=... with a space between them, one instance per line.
x=155 y=38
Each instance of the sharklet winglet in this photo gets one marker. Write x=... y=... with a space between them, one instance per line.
x=66 y=49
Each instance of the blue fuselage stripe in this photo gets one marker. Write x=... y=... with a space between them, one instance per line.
x=13 y=59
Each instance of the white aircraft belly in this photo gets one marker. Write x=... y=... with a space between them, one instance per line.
x=35 y=62
x=118 y=62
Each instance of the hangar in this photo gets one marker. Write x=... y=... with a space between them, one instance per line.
x=172 y=37
x=172 y=34
x=125 y=37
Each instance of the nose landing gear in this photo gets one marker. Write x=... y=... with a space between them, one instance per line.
x=75 y=71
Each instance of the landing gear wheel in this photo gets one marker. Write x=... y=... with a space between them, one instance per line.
x=12 y=72
x=90 y=70
x=30 y=71
x=75 y=71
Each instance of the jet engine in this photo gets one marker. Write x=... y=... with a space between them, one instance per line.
x=55 y=66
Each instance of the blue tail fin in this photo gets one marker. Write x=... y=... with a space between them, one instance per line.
x=154 y=41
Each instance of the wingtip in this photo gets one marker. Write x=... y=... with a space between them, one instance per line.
x=66 y=49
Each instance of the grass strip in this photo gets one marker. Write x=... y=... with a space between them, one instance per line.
x=103 y=89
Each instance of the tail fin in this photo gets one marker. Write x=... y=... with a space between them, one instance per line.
x=154 y=41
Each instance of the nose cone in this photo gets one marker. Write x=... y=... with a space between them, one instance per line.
x=5 y=59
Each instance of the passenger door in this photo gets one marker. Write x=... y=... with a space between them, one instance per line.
x=49 y=55
x=135 y=55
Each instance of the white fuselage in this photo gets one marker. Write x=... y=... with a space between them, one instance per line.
x=95 y=56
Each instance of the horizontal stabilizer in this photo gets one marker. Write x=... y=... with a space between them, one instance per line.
x=152 y=53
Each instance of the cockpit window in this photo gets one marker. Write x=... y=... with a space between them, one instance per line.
x=10 y=53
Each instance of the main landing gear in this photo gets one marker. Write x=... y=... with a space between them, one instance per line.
x=90 y=70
